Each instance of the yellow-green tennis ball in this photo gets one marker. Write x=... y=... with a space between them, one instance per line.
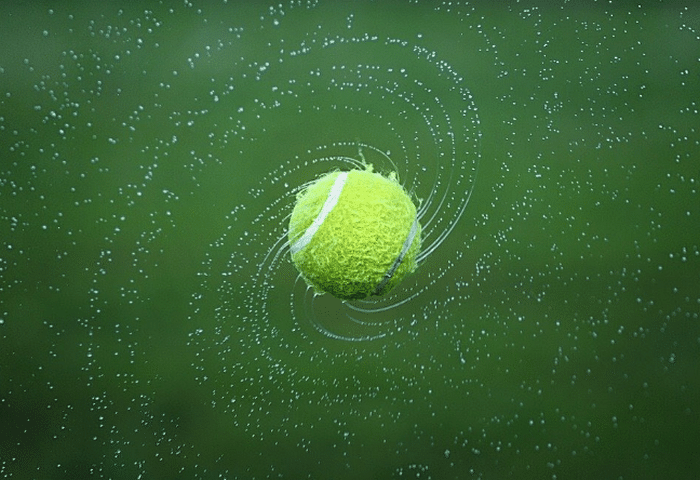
x=354 y=234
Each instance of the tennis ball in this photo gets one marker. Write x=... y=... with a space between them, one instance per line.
x=354 y=234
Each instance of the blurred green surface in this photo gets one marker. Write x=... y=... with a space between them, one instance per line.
x=150 y=323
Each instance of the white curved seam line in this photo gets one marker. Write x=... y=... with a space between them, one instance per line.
x=406 y=245
x=328 y=206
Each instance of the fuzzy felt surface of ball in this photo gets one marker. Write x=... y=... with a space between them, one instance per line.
x=354 y=234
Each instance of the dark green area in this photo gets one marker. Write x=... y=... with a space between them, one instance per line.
x=146 y=172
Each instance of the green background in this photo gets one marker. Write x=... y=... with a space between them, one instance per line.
x=152 y=326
